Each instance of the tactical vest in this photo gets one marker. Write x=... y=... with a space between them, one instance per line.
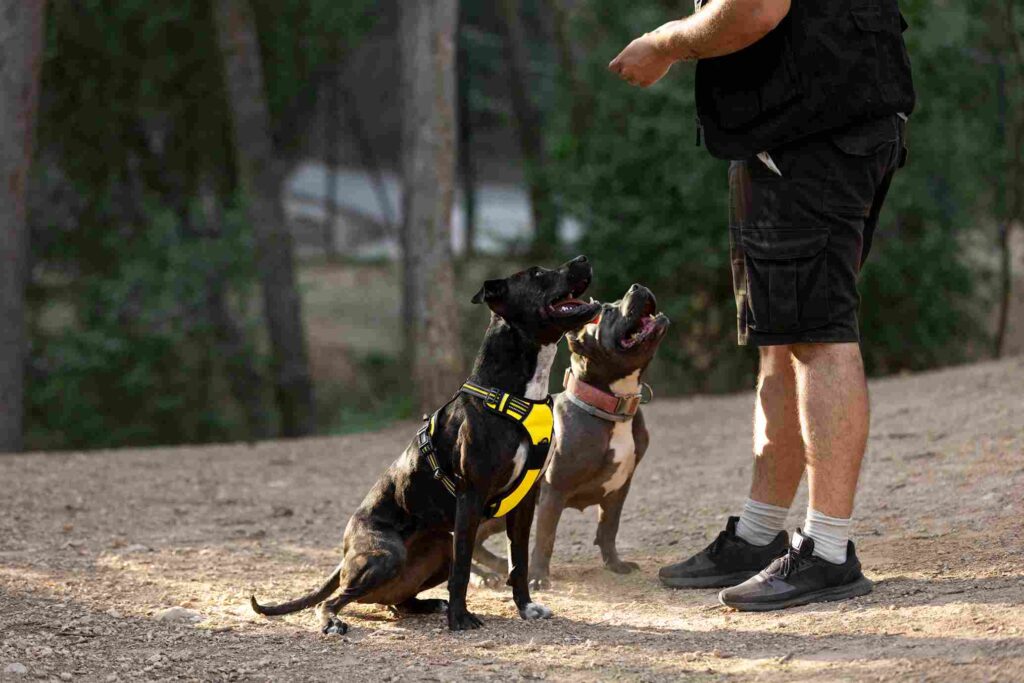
x=828 y=64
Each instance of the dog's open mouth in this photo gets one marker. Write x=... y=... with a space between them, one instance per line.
x=570 y=304
x=642 y=329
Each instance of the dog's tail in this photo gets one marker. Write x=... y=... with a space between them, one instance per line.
x=314 y=598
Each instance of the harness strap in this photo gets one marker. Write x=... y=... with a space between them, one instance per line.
x=426 y=447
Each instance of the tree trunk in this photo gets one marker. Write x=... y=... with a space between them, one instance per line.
x=21 y=54
x=428 y=157
x=467 y=171
x=332 y=139
x=261 y=185
x=531 y=135
x=1011 y=124
x=243 y=376
x=582 y=101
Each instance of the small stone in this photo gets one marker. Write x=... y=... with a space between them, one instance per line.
x=113 y=613
x=179 y=614
x=16 y=668
x=136 y=548
x=65 y=675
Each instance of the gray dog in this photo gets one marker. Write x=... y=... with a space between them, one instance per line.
x=600 y=435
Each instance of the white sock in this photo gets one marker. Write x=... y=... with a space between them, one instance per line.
x=760 y=522
x=830 y=535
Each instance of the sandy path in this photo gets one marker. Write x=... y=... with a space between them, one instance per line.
x=94 y=546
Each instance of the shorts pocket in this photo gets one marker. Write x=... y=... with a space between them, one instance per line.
x=787 y=278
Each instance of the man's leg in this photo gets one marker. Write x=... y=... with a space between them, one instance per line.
x=834 y=415
x=778 y=449
x=832 y=400
x=756 y=537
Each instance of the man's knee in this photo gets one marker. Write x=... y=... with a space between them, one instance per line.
x=775 y=360
x=811 y=354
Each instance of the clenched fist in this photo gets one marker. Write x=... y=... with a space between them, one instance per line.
x=642 y=63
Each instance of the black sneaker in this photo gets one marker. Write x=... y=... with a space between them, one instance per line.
x=798 y=578
x=729 y=560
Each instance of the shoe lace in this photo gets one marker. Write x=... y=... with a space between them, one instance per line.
x=716 y=545
x=788 y=563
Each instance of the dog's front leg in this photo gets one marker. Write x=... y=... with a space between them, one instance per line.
x=518 y=523
x=467 y=521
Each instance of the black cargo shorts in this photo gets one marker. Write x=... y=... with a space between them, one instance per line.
x=798 y=239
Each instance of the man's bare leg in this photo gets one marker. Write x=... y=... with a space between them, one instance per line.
x=778 y=438
x=833 y=400
x=778 y=449
x=748 y=544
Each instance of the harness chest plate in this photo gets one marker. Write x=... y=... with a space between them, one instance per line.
x=533 y=417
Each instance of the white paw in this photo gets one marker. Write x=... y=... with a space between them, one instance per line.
x=535 y=610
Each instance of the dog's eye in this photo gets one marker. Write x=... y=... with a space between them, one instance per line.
x=535 y=272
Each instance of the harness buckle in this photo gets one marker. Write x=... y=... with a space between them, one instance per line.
x=494 y=396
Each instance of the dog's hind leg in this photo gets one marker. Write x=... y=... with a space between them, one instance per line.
x=490 y=568
x=368 y=565
x=429 y=564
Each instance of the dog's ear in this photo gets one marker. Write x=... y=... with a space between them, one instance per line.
x=580 y=342
x=492 y=292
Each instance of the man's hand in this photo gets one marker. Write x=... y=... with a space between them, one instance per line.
x=642 y=63
x=720 y=28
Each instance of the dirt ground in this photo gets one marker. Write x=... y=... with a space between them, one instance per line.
x=94 y=547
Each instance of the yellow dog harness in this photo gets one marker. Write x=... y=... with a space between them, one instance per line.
x=534 y=417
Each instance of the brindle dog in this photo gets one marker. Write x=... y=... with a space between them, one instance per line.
x=400 y=541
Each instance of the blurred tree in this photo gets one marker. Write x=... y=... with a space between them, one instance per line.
x=529 y=125
x=142 y=323
x=260 y=182
x=430 y=315
x=21 y=53
x=1006 y=45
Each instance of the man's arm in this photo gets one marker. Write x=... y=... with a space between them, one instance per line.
x=720 y=28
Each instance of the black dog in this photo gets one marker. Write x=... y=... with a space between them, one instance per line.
x=600 y=435
x=399 y=542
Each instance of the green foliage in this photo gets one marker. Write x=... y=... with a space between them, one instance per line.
x=138 y=363
x=134 y=136
x=655 y=206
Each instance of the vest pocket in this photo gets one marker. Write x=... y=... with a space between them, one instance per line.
x=787 y=278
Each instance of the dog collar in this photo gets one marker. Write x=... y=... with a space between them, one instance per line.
x=603 y=404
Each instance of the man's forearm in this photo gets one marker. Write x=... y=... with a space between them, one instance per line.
x=720 y=28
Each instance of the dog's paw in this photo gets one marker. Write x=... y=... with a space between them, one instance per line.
x=463 y=621
x=334 y=627
x=535 y=610
x=483 y=578
x=432 y=606
x=540 y=583
x=621 y=567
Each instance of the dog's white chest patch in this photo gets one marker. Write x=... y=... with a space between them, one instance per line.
x=623 y=456
x=621 y=444
x=537 y=387
x=536 y=390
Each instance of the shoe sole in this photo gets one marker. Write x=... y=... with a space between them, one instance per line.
x=861 y=586
x=720 y=581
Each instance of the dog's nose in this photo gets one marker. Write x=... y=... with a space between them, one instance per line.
x=636 y=286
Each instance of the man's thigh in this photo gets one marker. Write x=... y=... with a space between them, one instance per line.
x=798 y=240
